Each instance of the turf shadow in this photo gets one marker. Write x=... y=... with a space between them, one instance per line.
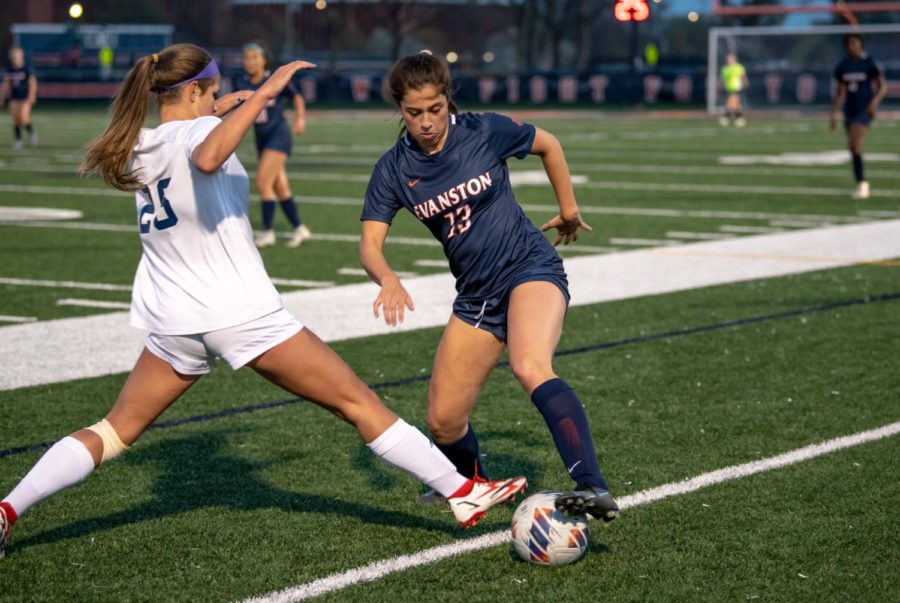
x=195 y=473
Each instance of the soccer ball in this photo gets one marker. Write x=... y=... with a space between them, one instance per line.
x=544 y=536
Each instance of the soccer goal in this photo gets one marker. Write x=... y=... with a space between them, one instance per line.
x=793 y=66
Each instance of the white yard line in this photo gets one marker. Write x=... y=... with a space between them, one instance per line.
x=734 y=189
x=293 y=282
x=633 y=242
x=104 y=344
x=11 y=318
x=27 y=282
x=719 y=170
x=380 y=569
x=93 y=303
x=697 y=236
x=317 y=236
x=797 y=224
x=698 y=187
x=348 y=271
x=748 y=229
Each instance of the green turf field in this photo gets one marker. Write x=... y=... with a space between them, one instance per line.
x=221 y=507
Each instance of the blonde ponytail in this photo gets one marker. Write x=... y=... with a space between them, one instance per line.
x=160 y=73
x=110 y=153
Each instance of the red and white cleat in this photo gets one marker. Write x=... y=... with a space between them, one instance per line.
x=4 y=531
x=470 y=508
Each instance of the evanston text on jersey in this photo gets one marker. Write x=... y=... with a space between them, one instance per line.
x=452 y=197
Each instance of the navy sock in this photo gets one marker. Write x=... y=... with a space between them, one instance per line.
x=565 y=416
x=268 y=214
x=463 y=453
x=290 y=209
x=858 y=167
x=28 y=127
x=18 y=132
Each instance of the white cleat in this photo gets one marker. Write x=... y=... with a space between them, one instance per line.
x=862 y=191
x=34 y=139
x=301 y=233
x=265 y=239
x=469 y=509
x=740 y=122
x=18 y=144
x=723 y=121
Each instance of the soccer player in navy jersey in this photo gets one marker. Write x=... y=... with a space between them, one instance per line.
x=860 y=87
x=274 y=141
x=20 y=86
x=449 y=169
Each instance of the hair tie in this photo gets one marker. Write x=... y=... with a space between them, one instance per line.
x=155 y=58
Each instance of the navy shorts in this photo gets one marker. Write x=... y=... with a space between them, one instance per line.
x=278 y=140
x=857 y=118
x=490 y=314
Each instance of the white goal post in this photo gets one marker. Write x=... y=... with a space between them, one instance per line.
x=793 y=65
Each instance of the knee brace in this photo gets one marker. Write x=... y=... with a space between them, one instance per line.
x=112 y=443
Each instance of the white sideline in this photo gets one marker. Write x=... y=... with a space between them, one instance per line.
x=380 y=569
x=75 y=348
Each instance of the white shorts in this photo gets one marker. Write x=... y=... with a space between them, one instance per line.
x=238 y=345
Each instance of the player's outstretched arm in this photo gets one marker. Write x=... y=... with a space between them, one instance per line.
x=839 y=94
x=392 y=298
x=32 y=89
x=568 y=221
x=225 y=138
x=299 y=115
x=880 y=92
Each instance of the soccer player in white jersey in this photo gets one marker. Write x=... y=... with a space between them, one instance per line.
x=202 y=292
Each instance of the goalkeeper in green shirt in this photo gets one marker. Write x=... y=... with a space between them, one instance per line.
x=734 y=81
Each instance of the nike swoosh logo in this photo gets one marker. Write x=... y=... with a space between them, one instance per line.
x=412 y=183
x=573 y=466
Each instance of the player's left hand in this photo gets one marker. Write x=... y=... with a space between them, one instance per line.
x=566 y=229
x=871 y=110
x=299 y=126
x=226 y=103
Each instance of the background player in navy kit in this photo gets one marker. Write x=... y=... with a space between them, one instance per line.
x=20 y=85
x=450 y=171
x=274 y=141
x=857 y=74
x=201 y=289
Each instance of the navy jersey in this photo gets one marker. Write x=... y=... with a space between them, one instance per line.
x=271 y=118
x=17 y=78
x=463 y=195
x=858 y=75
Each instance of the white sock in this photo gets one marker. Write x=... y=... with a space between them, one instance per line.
x=405 y=447
x=66 y=463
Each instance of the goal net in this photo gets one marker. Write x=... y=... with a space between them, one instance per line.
x=794 y=66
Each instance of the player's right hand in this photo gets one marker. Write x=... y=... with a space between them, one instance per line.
x=278 y=80
x=393 y=300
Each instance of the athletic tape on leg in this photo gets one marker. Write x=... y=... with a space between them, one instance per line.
x=113 y=445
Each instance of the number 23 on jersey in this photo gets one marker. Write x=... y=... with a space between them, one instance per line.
x=148 y=215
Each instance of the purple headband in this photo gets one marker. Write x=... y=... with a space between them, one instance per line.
x=210 y=71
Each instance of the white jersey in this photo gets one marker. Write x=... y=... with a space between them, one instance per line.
x=200 y=270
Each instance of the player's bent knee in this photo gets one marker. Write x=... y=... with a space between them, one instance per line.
x=113 y=445
x=447 y=429
x=530 y=371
